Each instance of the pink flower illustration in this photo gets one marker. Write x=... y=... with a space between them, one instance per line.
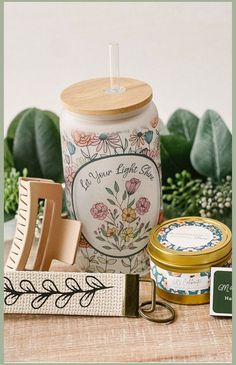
x=82 y=139
x=142 y=205
x=132 y=185
x=99 y=211
x=69 y=175
x=154 y=122
x=150 y=153
x=105 y=141
x=164 y=283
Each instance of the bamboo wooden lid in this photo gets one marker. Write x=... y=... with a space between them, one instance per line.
x=90 y=97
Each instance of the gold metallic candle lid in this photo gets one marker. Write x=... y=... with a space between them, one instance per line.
x=188 y=243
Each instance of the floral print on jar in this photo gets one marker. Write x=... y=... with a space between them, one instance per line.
x=120 y=212
x=122 y=226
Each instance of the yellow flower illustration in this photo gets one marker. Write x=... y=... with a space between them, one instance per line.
x=111 y=231
x=128 y=215
x=127 y=233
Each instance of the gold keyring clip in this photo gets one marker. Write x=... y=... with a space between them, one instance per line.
x=153 y=303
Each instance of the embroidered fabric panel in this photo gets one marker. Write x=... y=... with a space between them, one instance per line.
x=64 y=293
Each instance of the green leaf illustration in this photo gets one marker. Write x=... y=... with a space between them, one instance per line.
x=138 y=231
x=116 y=238
x=111 y=261
x=104 y=232
x=100 y=238
x=84 y=154
x=109 y=191
x=110 y=223
x=140 y=238
x=124 y=195
x=116 y=187
x=146 y=225
x=125 y=262
x=100 y=269
x=121 y=227
x=131 y=203
x=102 y=260
x=135 y=263
x=111 y=202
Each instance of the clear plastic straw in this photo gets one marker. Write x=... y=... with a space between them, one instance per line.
x=114 y=70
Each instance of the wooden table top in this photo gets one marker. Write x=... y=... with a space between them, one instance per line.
x=195 y=336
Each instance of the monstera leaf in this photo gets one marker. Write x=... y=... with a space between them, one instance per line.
x=211 y=154
x=34 y=141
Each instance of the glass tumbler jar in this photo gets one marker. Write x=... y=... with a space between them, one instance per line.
x=112 y=170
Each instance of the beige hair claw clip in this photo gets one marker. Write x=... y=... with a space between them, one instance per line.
x=59 y=237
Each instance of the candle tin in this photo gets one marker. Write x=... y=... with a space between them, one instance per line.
x=182 y=252
x=111 y=160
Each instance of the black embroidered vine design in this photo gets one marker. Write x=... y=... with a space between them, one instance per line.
x=50 y=289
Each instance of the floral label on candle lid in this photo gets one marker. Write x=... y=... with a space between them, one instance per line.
x=189 y=236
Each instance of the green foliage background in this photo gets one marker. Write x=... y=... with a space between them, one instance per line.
x=194 y=152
